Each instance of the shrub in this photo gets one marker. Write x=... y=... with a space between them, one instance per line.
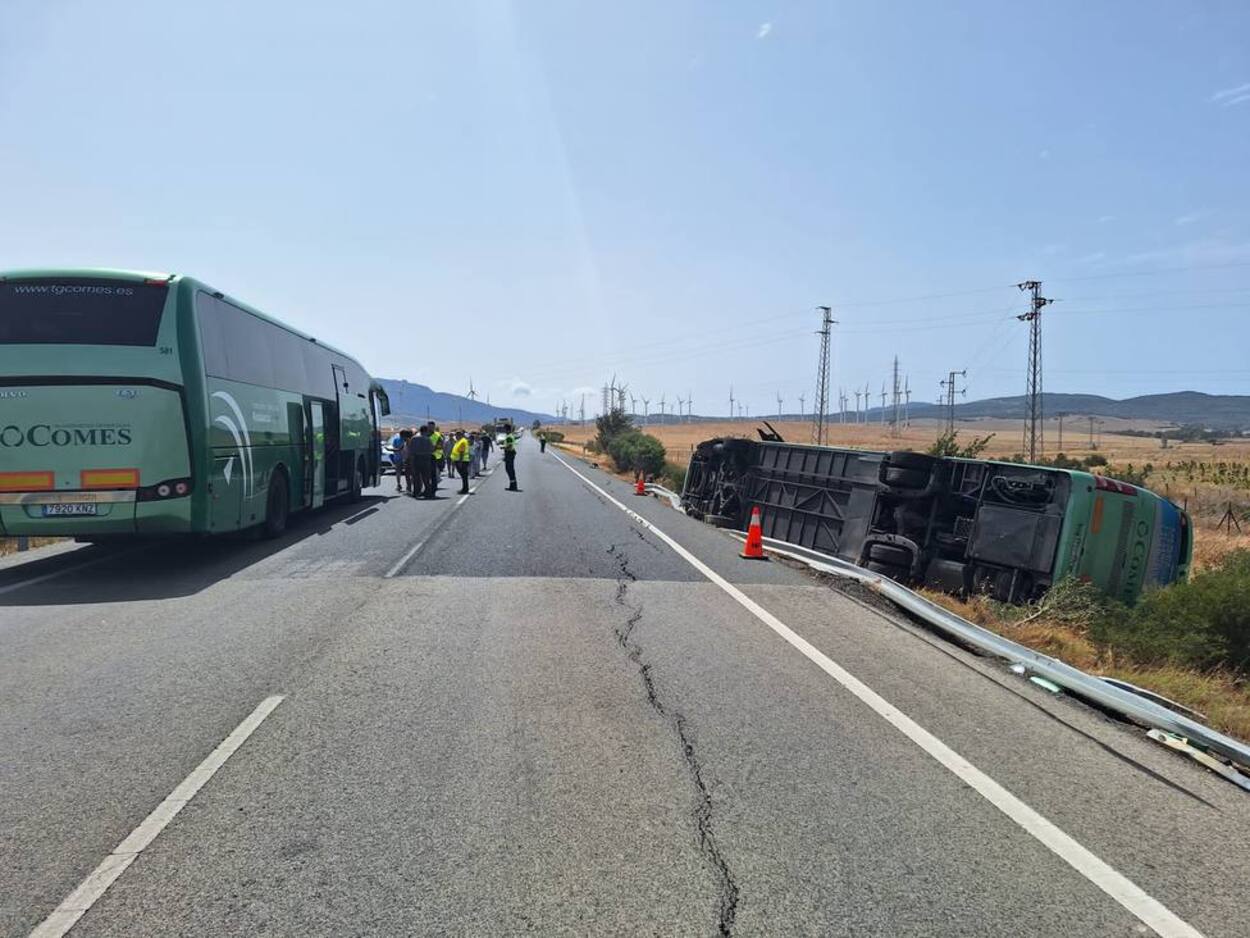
x=948 y=445
x=635 y=451
x=611 y=425
x=1204 y=623
x=674 y=476
x=554 y=436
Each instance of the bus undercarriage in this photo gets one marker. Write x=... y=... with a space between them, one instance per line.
x=957 y=525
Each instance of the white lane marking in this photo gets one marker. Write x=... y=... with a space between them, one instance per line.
x=1119 y=887
x=43 y=578
x=75 y=905
x=407 y=558
x=403 y=561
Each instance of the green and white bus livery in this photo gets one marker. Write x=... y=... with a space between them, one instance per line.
x=150 y=404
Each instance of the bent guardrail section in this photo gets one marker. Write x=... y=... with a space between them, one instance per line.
x=1109 y=696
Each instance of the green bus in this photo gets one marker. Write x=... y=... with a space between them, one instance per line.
x=139 y=403
x=958 y=525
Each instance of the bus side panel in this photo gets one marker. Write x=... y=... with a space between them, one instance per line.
x=253 y=433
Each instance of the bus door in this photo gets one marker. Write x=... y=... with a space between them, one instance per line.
x=315 y=463
x=338 y=475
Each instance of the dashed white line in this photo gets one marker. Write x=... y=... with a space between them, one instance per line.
x=403 y=561
x=415 y=549
x=75 y=905
x=1115 y=884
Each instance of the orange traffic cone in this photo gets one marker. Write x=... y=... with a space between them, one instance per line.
x=753 y=549
x=640 y=487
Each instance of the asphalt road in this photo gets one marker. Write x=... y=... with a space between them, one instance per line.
x=528 y=713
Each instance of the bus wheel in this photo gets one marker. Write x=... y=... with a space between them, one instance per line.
x=358 y=483
x=277 y=508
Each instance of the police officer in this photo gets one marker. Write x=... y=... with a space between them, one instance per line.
x=509 y=459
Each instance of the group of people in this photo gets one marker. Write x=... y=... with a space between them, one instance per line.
x=422 y=454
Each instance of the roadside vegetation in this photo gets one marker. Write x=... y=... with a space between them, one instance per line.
x=8 y=545
x=630 y=450
x=1189 y=642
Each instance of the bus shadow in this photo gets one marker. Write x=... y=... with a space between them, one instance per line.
x=146 y=570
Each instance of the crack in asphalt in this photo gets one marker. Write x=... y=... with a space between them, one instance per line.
x=708 y=846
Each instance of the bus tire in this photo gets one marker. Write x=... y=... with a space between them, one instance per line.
x=904 y=459
x=277 y=506
x=887 y=570
x=358 y=483
x=890 y=554
x=901 y=478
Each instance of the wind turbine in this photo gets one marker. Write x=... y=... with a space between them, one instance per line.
x=661 y=408
x=689 y=406
x=778 y=405
x=802 y=399
x=633 y=405
x=472 y=395
x=680 y=402
x=646 y=411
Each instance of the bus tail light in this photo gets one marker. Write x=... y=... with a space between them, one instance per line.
x=27 y=481
x=170 y=488
x=109 y=479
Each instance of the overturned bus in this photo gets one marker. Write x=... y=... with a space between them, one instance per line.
x=958 y=525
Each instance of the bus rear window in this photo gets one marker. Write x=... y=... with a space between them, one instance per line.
x=80 y=312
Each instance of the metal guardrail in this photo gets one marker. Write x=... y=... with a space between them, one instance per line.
x=674 y=498
x=1138 y=709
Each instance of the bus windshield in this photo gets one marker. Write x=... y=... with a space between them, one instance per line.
x=80 y=312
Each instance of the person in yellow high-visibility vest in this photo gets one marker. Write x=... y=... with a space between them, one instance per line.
x=436 y=462
x=460 y=459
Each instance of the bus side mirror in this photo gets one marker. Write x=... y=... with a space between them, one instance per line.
x=384 y=402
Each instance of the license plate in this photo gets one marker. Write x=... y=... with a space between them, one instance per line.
x=69 y=509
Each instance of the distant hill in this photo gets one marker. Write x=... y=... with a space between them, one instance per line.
x=412 y=403
x=1215 y=411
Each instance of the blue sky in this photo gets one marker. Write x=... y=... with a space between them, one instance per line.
x=541 y=194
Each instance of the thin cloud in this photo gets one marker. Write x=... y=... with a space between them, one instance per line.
x=766 y=28
x=1189 y=218
x=1195 y=253
x=1044 y=155
x=1103 y=219
x=1240 y=99
x=1240 y=93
